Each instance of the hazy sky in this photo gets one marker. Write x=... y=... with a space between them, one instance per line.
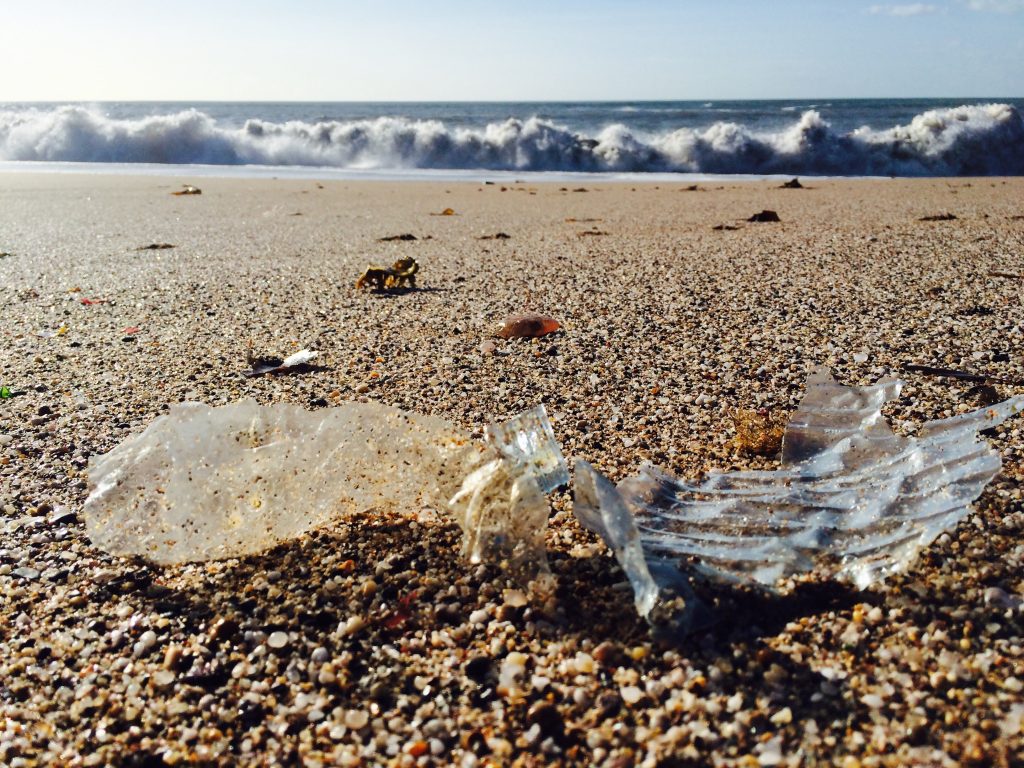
x=515 y=50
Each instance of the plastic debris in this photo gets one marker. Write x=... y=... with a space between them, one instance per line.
x=951 y=373
x=90 y=302
x=188 y=190
x=156 y=247
x=402 y=272
x=446 y=212
x=203 y=483
x=5 y=392
x=296 y=363
x=851 y=501
x=528 y=325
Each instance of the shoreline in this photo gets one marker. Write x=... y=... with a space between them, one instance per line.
x=668 y=325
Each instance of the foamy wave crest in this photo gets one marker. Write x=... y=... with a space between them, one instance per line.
x=968 y=140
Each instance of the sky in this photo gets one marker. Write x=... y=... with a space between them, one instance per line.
x=410 y=50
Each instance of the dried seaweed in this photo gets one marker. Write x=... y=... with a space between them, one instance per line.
x=851 y=500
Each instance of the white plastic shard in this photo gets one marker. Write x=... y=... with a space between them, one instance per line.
x=851 y=500
x=202 y=483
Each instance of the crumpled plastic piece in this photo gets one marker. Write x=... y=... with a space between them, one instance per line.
x=204 y=483
x=297 y=361
x=501 y=506
x=851 y=501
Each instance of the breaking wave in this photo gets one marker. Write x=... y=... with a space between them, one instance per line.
x=961 y=141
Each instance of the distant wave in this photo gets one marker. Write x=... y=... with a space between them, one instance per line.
x=966 y=140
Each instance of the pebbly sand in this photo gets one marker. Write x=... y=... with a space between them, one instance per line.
x=371 y=643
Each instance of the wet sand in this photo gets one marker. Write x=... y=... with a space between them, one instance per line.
x=393 y=650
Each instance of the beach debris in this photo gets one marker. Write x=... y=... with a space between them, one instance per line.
x=591 y=232
x=951 y=373
x=851 y=501
x=692 y=188
x=203 y=483
x=765 y=216
x=188 y=189
x=446 y=212
x=299 y=362
x=726 y=227
x=406 y=237
x=5 y=255
x=528 y=325
x=588 y=220
x=496 y=236
x=90 y=302
x=5 y=393
x=1007 y=275
x=939 y=217
x=792 y=184
x=398 y=274
x=48 y=334
x=155 y=247
x=757 y=432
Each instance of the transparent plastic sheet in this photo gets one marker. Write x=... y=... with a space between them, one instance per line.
x=851 y=501
x=203 y=483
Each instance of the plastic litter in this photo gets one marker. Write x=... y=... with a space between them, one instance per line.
x=851 y=501
x=261 y=366
x=188 y=189
x=204 y=483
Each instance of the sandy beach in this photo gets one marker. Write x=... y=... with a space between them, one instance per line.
x=372 y=642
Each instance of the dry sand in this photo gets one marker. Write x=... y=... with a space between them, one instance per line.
x=372 y=643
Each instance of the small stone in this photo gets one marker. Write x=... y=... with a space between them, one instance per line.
x=277 y=640
x=26 y=572
x=163 y=678
x=356 y=719
x=783 y=717
x=515 y=598
x=631 y=694
x=479 y=616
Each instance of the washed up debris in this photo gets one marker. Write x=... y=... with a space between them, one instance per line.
x=572 y=220
x=6 y=393
x=792 y=184
x=851 y=501
x=939 y=217
x=5 y=255
x=1007 y=275
x=765 y=216
x=155 y=247
x=951 y=373
x=758 y=432
x=406 y=237
x=496 y=236
x=90 y=302
x=400 y=273
x=726 y=227
x=446 y=212
x=591 y=232
x=188 y=190
x=203 y=483
x=528 y=325
x=300 y=362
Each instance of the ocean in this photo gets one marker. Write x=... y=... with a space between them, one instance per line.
x=685 y=139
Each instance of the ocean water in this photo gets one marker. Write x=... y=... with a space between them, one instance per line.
x=859 y=137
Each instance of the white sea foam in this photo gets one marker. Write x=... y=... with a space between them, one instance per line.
x=966 y=140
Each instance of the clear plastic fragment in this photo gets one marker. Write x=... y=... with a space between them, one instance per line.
x=202 y=483
x=501 y=506
x=851 y=500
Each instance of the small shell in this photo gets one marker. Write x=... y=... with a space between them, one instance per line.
x=528 y=325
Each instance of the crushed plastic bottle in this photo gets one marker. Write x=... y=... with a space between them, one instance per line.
x=203 y=483
x=851 y=501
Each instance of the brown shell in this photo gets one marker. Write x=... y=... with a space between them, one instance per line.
x=529 y=325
